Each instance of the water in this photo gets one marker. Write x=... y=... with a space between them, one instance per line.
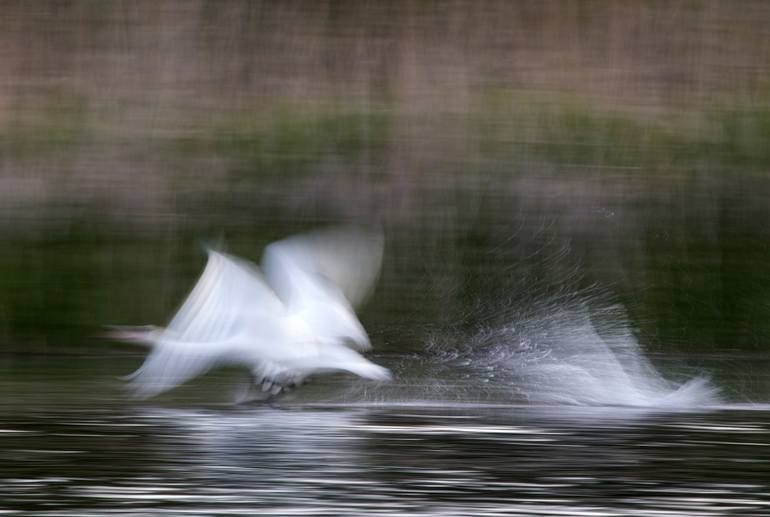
x=543 y=402
x=72 y=443
x=411 y=460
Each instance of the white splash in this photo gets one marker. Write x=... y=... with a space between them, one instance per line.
x=561 y=357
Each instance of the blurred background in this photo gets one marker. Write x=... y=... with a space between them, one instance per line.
x=565 y=187
x=507 y=149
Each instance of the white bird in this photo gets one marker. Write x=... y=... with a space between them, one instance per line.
x=292 y=319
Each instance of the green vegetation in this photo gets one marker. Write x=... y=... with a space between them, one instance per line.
x=566 y=131
x=289 y=141
x=509 y=127
x=57 y=128
x=689 y=259
x=743 y=135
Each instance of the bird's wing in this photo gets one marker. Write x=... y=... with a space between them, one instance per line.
x=170 y=364
x=318 y=275
x=228 y=294
x=349 y=258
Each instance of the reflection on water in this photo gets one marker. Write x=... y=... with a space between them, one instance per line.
x=451 y=460
x=73 y=443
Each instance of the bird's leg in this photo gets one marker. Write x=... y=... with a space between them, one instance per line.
x=245 y=392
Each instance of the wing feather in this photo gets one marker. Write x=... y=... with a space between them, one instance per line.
x=320 y=275
x=227 y=298
x=171 y=364
x=229 y=292
x=347 y=257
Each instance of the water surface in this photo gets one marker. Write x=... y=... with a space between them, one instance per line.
x=75 y=445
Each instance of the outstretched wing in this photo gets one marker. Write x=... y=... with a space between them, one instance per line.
x=229 y=292
x=229 y=295
x=319 y=275
x=347 y=257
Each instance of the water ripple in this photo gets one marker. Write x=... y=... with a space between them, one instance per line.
x=486 y=461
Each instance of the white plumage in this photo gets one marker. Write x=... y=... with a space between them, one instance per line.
x=292 y=319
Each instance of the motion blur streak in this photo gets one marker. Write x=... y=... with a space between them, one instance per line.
x=290 y=320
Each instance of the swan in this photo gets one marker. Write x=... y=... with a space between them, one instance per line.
x=289 y=318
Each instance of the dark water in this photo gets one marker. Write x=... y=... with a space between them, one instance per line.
x=416 y=460
x=74 y=444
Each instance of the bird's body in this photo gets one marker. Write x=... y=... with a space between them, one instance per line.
x=292 y=319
